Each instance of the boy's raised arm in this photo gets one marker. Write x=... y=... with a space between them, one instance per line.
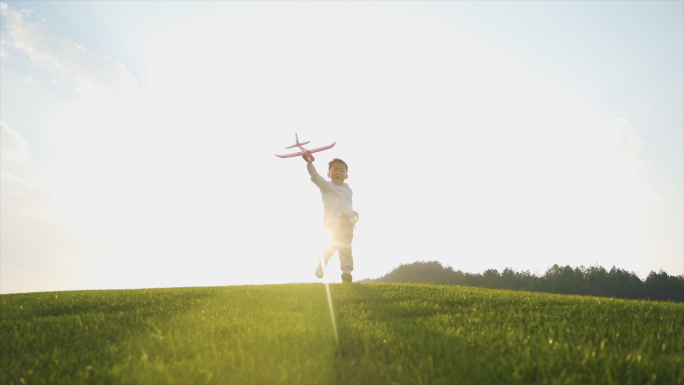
x=315 y=176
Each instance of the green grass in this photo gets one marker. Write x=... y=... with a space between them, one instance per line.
x=389 y=333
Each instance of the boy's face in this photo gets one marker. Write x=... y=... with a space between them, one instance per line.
x=337 y=173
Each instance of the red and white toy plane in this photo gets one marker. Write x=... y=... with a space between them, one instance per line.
x=304 y=151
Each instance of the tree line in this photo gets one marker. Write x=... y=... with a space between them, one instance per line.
x=594 y=280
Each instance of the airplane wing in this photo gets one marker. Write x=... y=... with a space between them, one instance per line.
x=304 y=152
x=322 y=148
x=290 y=155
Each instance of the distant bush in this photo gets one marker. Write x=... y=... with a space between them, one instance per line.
x=594 y=280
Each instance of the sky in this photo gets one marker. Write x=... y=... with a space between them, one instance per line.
x=138 y=138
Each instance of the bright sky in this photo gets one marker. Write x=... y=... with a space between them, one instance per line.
x=138 y=138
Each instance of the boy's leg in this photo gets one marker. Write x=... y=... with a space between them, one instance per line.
x=343 y=237
x=329 y=251
x=327 y=254
x=332 y=228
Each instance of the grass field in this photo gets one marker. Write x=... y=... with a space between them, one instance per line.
x=389 y=333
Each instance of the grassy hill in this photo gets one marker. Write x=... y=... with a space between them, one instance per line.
x=389 y=333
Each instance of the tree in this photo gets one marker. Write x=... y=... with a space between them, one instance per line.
x=594 y=280
x=624 y=284
x=661 y=286
x=565 y=280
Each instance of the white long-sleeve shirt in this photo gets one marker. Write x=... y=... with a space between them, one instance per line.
x=337 y=199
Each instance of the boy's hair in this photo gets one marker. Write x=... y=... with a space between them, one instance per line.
x=335 y=160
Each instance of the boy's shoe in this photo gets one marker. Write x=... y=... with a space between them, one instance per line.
x=346 y=277
x=319 y=271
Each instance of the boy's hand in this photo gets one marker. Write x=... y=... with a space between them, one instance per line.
x=306 y=159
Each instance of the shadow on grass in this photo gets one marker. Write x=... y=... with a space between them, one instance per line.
x=431 y=334
x=71 y=336
x=418 y=334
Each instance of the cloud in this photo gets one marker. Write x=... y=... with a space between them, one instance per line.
x=69 y=62
x=628 y=142
x=3 y=52
x=30 y=80
x=33 y=243
x=12 y=144
x=19 y=196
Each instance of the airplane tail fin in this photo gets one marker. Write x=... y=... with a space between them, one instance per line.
x=297 y=144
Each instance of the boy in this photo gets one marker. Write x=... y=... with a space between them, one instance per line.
x=338 y=217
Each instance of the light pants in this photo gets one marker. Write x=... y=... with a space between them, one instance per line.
x=341 y=235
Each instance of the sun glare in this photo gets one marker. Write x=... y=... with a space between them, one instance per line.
x=458 y=151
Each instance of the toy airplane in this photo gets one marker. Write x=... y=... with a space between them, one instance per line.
x=304 y=151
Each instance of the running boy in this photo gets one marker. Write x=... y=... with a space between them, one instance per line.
x=338 y=217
